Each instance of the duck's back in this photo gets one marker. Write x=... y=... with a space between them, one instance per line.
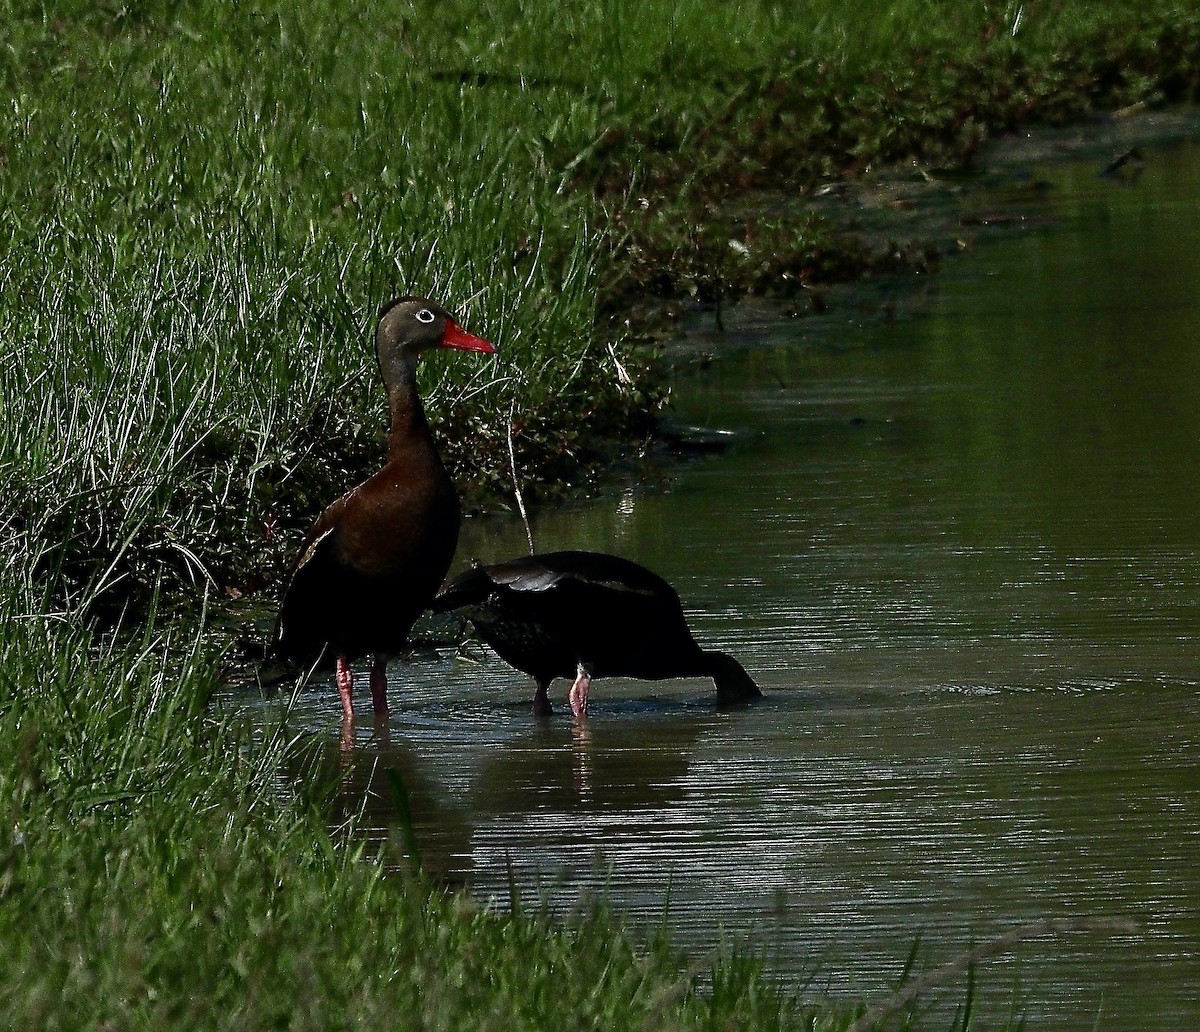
x=546 y=613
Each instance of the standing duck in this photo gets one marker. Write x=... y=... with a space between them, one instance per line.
x=374 y=559
x=586 y=615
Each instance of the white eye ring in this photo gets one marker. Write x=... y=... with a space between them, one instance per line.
x=424 y=315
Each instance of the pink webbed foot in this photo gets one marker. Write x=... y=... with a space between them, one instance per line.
x=579 y=693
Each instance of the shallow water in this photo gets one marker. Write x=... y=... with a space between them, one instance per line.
x=960 y=553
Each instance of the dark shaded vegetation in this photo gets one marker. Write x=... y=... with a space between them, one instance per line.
x=808 y=120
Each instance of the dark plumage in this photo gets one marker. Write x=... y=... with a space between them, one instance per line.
x=375 y=557
x=586 y=615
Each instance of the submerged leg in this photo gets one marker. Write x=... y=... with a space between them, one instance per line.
x=541 y=700
x=579 y=691
x=379 y=685
x=345 y=687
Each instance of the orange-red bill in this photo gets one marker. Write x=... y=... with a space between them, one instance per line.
x=457 y=337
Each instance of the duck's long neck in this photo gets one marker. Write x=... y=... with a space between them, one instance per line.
x=733 y=683
x=408 y=426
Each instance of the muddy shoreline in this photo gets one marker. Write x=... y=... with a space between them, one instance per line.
x=896 y=225
x=891 y=231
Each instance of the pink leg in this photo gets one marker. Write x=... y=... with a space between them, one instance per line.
x=345 y=686
x=579 y=692
x=379 y=686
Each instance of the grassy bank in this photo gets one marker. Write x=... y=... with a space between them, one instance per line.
x=151 y=878
x=201 y=206
x=828 y=98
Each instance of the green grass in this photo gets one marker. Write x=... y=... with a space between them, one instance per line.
x=150 y=877
x=200 y=216
x=915 y=87
x=201 y=206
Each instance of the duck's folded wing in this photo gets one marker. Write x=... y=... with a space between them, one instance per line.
x=293 y=636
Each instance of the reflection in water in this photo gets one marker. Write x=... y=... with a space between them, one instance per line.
x=961 y=555
x=590 y=769
x=377 y=791
x=582 y=771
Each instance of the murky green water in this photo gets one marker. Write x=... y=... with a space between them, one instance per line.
x=961 y=552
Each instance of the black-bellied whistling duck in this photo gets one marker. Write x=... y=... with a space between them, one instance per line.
x=374 y=559
x=587 y=615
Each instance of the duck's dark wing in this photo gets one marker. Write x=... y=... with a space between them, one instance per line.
x=546 y=613
x=573 y=572
x=297 y=635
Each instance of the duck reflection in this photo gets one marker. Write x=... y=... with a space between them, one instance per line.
x=378 y=791
x=446 y=804
x=588 y=766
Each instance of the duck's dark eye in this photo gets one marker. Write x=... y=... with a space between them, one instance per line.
x=424 y=315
